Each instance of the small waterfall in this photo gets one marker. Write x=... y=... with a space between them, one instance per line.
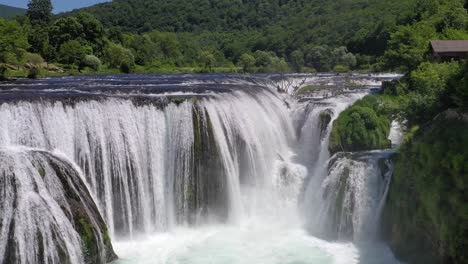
x=348 y=203
x=44 y=204
x=344 y=194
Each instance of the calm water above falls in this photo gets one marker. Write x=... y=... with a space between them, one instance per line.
x=209 y=168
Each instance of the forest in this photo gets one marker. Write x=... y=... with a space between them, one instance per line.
x=227 y=36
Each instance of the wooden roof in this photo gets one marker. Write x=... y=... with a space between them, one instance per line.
x=446 y=46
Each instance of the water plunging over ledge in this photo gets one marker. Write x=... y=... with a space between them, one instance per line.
x=209 y=168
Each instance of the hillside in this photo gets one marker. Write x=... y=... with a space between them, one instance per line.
x=10 y=12
x=362 y=25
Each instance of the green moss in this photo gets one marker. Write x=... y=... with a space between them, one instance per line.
x=86 y=233
x=363 y=126
x=352 y=85
x=306 y=89
x=42 y=172
x=107 y=240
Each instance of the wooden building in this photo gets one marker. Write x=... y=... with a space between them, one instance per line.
x=444 y=50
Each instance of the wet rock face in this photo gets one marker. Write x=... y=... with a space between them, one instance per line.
x=48 y=215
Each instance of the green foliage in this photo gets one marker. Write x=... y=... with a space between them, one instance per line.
x=247 y=62
x=325 y=58
x=306 y=89
x=408 y=46
x=119 y=57
x=39 y=12
x=3 y=70
x=72 y=52
x=33 y=59
x=426 y=213
x=207 y=59
x=34 y=72
x=427 y=91
x=297 y=60
x=92 y=62
x=364 y=126
x=460 y=89
x=13 y=41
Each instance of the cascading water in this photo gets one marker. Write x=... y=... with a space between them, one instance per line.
x=43 y=200
x=207 y=170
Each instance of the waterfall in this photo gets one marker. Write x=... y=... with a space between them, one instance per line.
x=159 y=154
x=348 y=203
x=43 y=202
x=142 y=161
x=343 y=195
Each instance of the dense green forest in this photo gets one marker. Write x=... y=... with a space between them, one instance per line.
x=228 y=36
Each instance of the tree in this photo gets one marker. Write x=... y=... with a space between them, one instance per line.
x=408 y=46
x=145 y=49
x=247 y=62
x=39 y=12
x=92 y=31
x=263 y=58
x=72 y=52
x=207 y=59
x=119 y=57
x=13 y=40
x=39 y=40
x=297 y=60
x=318 y=57
x=65 y=29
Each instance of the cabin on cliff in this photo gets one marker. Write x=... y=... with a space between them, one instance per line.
x=444 y=50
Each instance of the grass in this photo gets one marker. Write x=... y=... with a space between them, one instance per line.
x=307 y=89
x=72 y=71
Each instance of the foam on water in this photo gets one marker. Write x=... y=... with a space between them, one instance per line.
x=258 y=243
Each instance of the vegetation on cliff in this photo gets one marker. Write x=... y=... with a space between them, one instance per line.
x=426 y=213
x=364 y=126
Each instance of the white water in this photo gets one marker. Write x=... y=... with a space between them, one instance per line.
x=250 y=244
x=35 y=220
x=138 y=161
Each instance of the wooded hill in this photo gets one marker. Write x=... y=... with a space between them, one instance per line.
x=363 y=26
x=10 y=11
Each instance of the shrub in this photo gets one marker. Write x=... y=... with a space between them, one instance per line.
x=363 y=126
x=34 y=59
x=3 y=70
x=125 y=67
x=341 y=68
x=72 y=52
x=92 y=62
x=116 y=56
x=34 y=72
